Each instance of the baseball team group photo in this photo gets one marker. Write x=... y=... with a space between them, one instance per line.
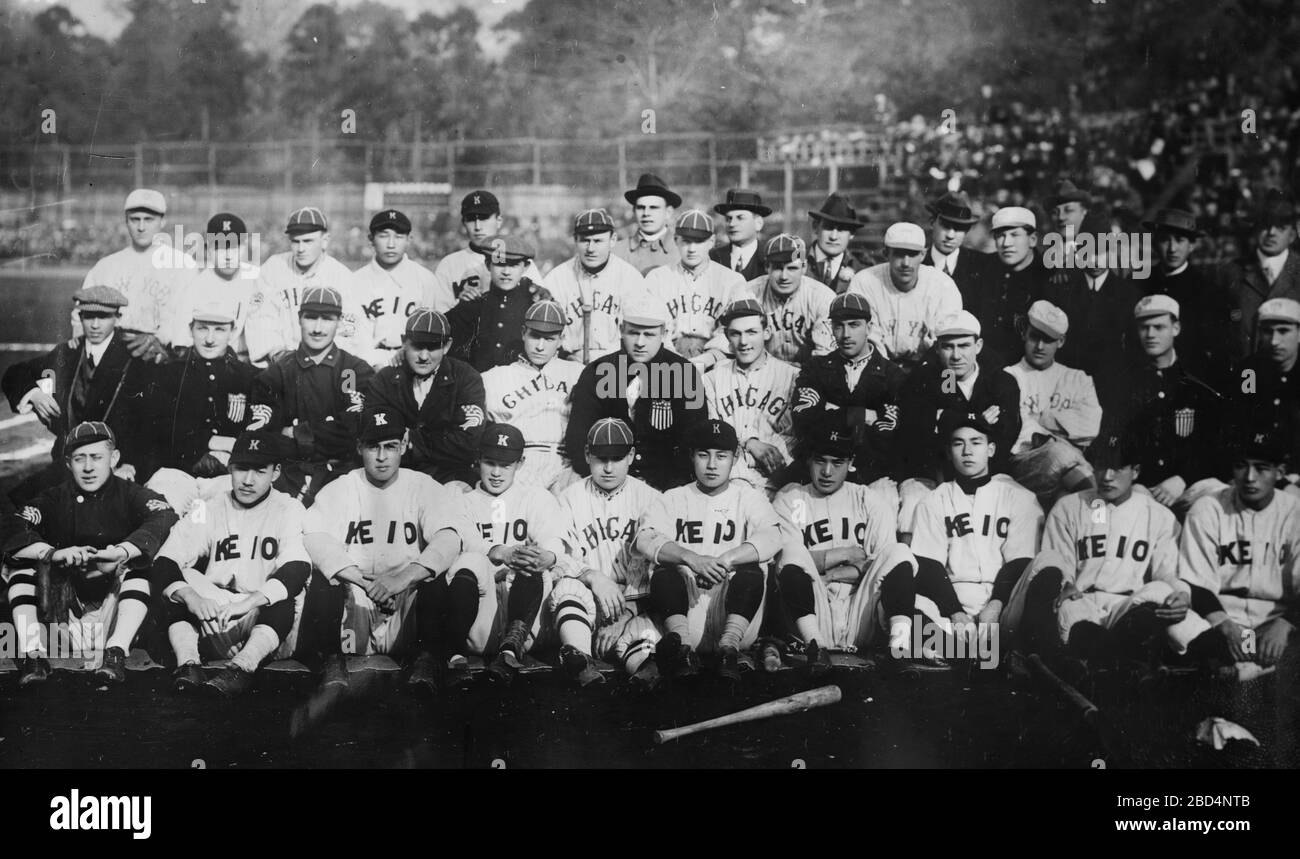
x=488 y=385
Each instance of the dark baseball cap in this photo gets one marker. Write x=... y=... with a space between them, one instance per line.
x=88 y=432
x=829 y=438
x=308 y=219
x=257 y=449
x=610 y=438
x=712 y=435
x=1114 y=448
x=390 y=219
x=427 y=327
x=226 y=224
x=954 y=419
x=381 y=424
x=1258 y=443
x=502 y=443
x=850 y=305
x=478 y=204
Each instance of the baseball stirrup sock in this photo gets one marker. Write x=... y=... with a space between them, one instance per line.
x=184 y=639
x=636 y=654
x=796 y=591
x=745 y=592
x=668 y=592
x=525 y=599
x=898 y=591
x=932 y=581
x=1041 y=630
x=132 y=607
x=22 y=602
x=462 y=609
x=262 y=642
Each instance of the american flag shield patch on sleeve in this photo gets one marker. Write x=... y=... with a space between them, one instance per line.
x=236 y=404
x=1184 y=422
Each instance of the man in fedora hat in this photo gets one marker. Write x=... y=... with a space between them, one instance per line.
x=744 y=212
x=1207 y=306
x=1067 y=206
x=1271 y=272
x=834 y=225
x=651 y=244
x=951 y=218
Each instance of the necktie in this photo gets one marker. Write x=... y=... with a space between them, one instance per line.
x=947 y=266
x=826 y=270
x=90 y=359
x=736 y=263
x=1271 y=273
x=633 y=393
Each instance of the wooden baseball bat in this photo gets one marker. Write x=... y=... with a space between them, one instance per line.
x=790 y=704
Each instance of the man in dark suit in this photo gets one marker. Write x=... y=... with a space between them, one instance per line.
x=743 y=212
x=1272 y=272
x=91 y=378
x=834 y=225
x=657 y=392
x=950 y=219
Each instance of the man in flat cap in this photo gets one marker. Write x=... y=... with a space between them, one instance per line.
x=743 y=212
x=313 y=396
x=93 y=378
x=532 y=393
x=834 y=226
x=79 y=554
x=1266 y=389
x=1208 y=324
x=797 y=306
x=464 y=272
x=908 y=300
x=951 y=218
x=149 y=273
x=485 y=330
x=593 y=286
x=229 y=275
x=696 y=290
x=1059 y=411
x=1270 y=272
x=390 y=287
x=651 y=244
x=273 y=329
x=439 y=397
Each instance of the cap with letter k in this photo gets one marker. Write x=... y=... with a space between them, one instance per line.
x=501 y=443
x=380 y=423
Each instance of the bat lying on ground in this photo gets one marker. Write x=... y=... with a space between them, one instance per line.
x=790 y=704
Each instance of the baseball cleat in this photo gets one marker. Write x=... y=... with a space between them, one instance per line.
x=457 y=675
x=647 y=677
x=769 y=654
x=426 y=673
x=676 y=660
x=188 y=677
x=502 y=669
x=580 y=666
x=230 y=682
x=335 y=672
x=728 y=667
x=113 y=668
x=819 y=660
x=33 y=669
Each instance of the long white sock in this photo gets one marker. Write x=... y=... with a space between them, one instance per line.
x=576 y=633
x=130 y=614
x=184 y=638
x=262 y=642
x=26 y=622
x=733 y=631
x=808 y=628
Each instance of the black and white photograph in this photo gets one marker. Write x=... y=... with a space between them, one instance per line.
x=651 y=384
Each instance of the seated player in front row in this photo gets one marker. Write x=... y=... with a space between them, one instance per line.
x=524 y=532
x=396 y=541
x=84 y=548
x=598 y=606
x=233 y=572
x=975 y=534
x=841 y=569
x=1240 y=552
x=710 y=582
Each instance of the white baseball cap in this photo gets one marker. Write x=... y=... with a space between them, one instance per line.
x=905 y=236
x=1014 y=216
x=146 y=198
x=1280 y=310
x=214 y=310
x=963 y=324
x=645 y=309
x=1049 y=319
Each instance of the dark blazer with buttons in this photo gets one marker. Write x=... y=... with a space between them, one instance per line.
x=928 y=393
x=485 y=332
x=193 y=400
x=757 y=266
x=822 y=392
x=444 y=430
x=973 y=269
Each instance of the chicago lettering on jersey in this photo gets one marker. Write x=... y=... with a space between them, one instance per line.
x=1094 y=546
x=359 y=532
x=788 y=320
x=266 y=548
x=959 y=526
x=694 y=303
x=692 y=531
x=541 y=382
x=601 y=302
x=611 y=529
x=816 y=533
x=751 y=397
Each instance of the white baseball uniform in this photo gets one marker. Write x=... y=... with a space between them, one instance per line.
x=206 y=286
x=386 y=297
x=382 y=531
x=463 y=268
x=756 y=402
x=605 y=293
x=800 y=322
x=974 y=536
x=536 y=402
x=273 y=321
x=695 y=297
x=905 y=322
x=713 y=525
x=848 y=613
x=1059 y=401
x=152 y=281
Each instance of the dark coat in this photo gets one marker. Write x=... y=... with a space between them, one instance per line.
x=1248 y=288
x=1102 y=330
x=1206 y=317
x=1175 y=417
x=321 y=402
x=757 y=266
x=444 y=430
x=194 y=399
x=924 y=399
x=822 y=392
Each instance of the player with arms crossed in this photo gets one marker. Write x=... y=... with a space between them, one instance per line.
x=975 y=534
x=598 y=606
x=406 y=545
x=709 y=583
x=842 y=569
x=232 y=573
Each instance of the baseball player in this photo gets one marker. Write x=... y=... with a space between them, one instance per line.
x=907 y=300
x=232 y=573
x=439 y=397
x=1003 y=297
x=696 y=290
x=390 y=287
x=228 y=276
x=1059 y=412
x=753 y=393
x=797 y=307
x=593 y=287
x=396 y=542
x=973 y=535
x=483 y=328
x=80 y=553
x=842 y=569
x=599 y=605
x=150 y=274
x=524 y=532
x=533 y=394
x=1239 y=552
x=854 y=382
x=94 y=378
x=464 y=272
x=282 y=285
x=743 y=212
x=1105 y=580
x=834 y=226
x=1267 y=385
x=725 y=534
x=313 y=396
x=651 y=245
